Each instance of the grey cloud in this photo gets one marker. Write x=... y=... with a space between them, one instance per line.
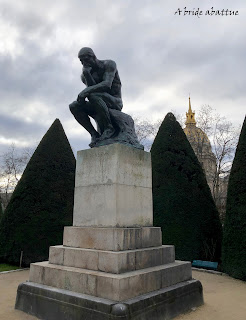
x=152 y=48
x=14 y=128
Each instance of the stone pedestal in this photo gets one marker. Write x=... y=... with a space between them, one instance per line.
x=113 y=187
x=112 y=264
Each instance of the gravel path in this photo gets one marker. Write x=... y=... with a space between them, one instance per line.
x=225 y=298
x=8 y=288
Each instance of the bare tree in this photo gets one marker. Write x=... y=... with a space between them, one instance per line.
x=146 y=130
x=179 y=117
x=205 y=118
x=12 y=166
x=223 y=137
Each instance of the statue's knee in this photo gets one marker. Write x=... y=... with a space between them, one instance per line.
x=73 y=107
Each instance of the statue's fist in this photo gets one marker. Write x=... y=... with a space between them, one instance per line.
x=82 y=95
x=87 y=70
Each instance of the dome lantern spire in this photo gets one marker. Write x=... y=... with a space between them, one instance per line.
x=190 y=116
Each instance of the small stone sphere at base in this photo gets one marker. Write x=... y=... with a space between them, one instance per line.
x=119 y=309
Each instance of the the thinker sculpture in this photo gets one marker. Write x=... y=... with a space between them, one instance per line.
x=102 y=101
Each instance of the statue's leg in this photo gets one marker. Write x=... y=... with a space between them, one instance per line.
x=100 y=109
x=81 y=110
x=111 y=101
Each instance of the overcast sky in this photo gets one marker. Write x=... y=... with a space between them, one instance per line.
x=161 y=58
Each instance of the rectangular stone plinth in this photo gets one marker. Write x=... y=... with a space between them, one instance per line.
x=112 y=239
x=117 y=287
x=111 y=261
x=113 y=187
x=49 y=303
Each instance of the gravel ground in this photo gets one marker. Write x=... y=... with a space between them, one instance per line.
x=225 y=297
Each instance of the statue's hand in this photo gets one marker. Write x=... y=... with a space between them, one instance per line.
x=81 y=96
x=87 y=70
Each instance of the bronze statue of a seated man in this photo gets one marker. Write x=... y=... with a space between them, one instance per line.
x=103 y=92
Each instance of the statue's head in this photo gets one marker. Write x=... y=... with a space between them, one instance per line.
x=87 y=57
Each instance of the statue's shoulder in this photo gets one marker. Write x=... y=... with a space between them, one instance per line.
x=109 y=64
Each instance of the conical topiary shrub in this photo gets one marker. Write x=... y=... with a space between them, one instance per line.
x=42 y=202
x=182 y=201
x=234 y=238
x=1 y=209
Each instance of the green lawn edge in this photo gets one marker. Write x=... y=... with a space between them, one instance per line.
x=7 y=267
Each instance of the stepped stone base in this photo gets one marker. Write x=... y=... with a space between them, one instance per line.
x=112 y=264
x=50 y=303
x=116 y=287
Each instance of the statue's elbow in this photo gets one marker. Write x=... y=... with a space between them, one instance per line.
x=107 y=86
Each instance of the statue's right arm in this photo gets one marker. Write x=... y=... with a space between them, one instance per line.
x=83 y=79
x=103 y=86
x=87 y=78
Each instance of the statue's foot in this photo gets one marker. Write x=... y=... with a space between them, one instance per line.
x=108 y=133
x=94 y=139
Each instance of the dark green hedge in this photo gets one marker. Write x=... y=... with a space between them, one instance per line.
x=234 y=239
x=42 y=202
x=182 y=201
x=1 y=210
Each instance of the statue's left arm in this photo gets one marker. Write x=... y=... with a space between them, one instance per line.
x=103 y=86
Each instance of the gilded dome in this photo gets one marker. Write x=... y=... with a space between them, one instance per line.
x=194 y=133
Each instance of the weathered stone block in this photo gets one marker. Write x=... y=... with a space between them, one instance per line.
x=117 y=287
x=86 y=259
x=113 y=187
x=116 y=262
x=168 y=254
x=112 y=239
x=113 y=205
x=56 y=255
x=113 y=164
x=111 y=261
